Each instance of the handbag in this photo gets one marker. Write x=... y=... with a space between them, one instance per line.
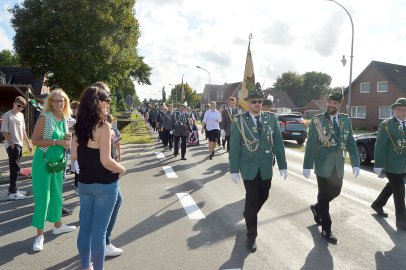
x=56 y=166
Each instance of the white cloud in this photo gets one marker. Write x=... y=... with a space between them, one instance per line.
x=5 y=41
x=289 y=35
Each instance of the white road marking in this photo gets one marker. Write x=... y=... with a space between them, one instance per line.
x=191 y=208
x=169 y=172
x=159 y=155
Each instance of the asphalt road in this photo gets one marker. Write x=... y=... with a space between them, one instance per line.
x=188 y=215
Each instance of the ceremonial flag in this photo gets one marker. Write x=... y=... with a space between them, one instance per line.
x=249 y=77
x=182 y=93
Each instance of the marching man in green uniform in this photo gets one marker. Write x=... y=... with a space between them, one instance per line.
x=255 y=137
x=330 y=136
x=390 y=159
x=181 y=129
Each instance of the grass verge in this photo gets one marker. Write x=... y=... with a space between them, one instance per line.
x=138 y=133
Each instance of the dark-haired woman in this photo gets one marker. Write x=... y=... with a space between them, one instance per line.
x=98 y=178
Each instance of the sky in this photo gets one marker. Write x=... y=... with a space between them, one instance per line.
x=290 y=35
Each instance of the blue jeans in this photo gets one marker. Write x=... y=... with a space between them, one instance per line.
x=97 y=202
x=114 y=216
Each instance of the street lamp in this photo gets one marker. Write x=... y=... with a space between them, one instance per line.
x=351 y=56
x=208 y=99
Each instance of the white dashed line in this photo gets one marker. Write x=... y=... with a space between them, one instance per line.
x=169 y=172
x=159 y=155
x=191 y=208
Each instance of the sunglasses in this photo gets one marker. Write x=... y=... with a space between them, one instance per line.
x=255 y=101
x=20 y=106
x=59 y=101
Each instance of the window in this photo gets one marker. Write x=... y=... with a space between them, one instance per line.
x=205 y=95
x=219 y=95
x=365 y=87
x=358 y=112
x=385 y=112
x=382 y=86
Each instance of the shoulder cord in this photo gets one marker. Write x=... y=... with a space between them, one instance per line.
x=324 y=139
x=229 y=115
x=398 y=149
x=247 y=142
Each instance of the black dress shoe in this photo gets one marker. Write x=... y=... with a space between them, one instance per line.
x=379 y=210
x=317 y=219
x=251 y=245
x=210 y=156
x=183 y=158
x=330 y=237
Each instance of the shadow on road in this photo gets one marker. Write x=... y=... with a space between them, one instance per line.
x=319 y=257
x=394 y=258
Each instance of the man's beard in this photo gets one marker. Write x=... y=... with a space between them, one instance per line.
x=331 y=110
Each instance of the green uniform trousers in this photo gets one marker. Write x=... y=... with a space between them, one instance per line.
x=47 y=190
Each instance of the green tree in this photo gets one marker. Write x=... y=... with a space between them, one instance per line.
x=163 y=94
x=191 y=97
x=291 y=83
x=303 y=88
x=142 y=72
x=316 y=85
x=8 y=59
x=78 y=42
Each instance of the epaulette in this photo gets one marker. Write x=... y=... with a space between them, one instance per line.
x=318 y=115
x=386 y=120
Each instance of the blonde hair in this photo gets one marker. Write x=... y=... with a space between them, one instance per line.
x=66 y=106
x=21 y=100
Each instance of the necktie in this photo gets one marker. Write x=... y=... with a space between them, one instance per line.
x=336 y=128
x=404 y=126
x=259 y=125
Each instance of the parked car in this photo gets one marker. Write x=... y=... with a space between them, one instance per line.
x=293 y=127
x=365 y=146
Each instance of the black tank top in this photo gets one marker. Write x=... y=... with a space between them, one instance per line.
x=91 y=169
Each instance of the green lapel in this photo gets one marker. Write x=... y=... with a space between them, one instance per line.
x=328 y=126
x=251 y=125
x=399 y=127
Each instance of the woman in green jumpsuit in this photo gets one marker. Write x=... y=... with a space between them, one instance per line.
x=50 y=138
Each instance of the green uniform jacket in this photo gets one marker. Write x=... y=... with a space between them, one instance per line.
x=324 y=152
x=390 y=147
x=270 y=142
x=181 y=126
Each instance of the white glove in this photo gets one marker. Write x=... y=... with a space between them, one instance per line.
x=284 y=173
x=378 y=171
x=355 y=171
x=223 y=134
x=235 y=177
x=306 y=173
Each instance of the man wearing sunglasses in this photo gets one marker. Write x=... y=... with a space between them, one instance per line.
x=255 y=139
x=13 y=129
